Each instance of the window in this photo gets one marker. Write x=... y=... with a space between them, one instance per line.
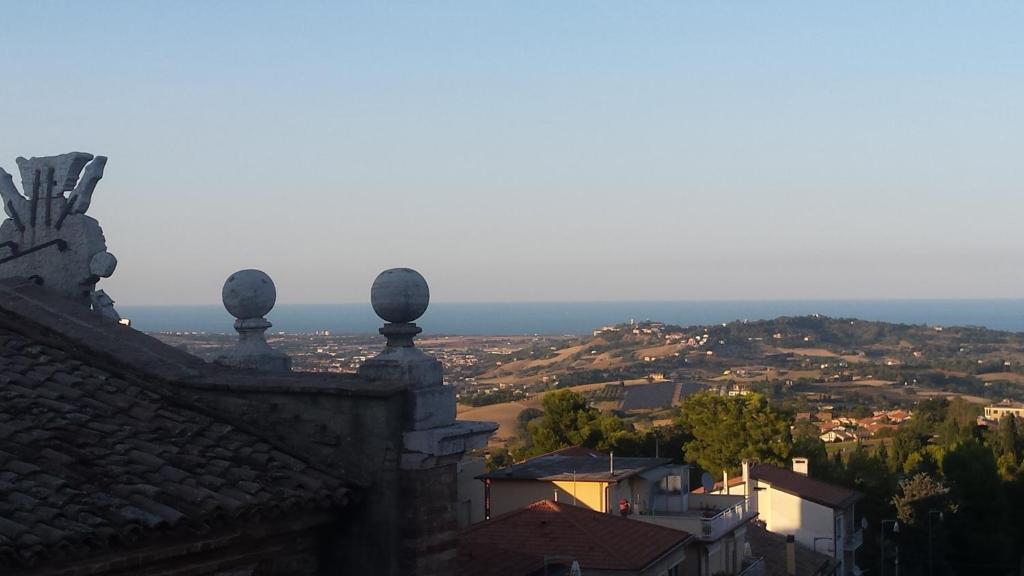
x=671 y=484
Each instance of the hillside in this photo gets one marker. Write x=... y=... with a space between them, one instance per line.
x=790 y=355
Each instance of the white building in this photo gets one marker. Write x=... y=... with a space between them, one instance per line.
x=820 y=515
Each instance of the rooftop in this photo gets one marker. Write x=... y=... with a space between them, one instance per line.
x=772 y=547
x=597 y=541
x=96 y=455
x=581 y=464
x=805 y=487
x=1007 y=403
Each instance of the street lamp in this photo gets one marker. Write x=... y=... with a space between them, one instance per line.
x=931 y=559
x=895 y=530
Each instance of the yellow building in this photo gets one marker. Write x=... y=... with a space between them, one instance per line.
x=578 y=476
x=1004 y=408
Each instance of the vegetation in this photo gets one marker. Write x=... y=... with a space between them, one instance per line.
x=944 y=479
x=725 y=430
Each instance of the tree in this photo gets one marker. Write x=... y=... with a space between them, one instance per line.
x=726 y=430
x=918 y=495
x=567 y=421
x=524 y=418
x=905 y=442
x=980 y=524
x=923 y=506
x=1008 y=440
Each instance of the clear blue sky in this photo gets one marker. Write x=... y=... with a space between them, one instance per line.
x=525 y=151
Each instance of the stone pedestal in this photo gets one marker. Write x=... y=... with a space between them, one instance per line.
x=252 y=351
x=248 y=296
x=433 y=441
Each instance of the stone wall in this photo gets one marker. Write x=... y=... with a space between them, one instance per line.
x=429 y=523
x=342 y=425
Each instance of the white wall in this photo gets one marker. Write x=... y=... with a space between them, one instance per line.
x=784 y=513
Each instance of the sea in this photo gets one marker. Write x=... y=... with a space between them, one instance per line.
x=578 y=318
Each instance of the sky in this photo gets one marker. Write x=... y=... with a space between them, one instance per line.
x=536 y=151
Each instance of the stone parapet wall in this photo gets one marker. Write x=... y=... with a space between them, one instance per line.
x=429 y=521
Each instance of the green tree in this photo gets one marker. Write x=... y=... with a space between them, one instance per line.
x=918 y=495
x=923 y=507
x=980 y=524
x=725 y=430
x=1008 y=439
x=906 y=441
x=567 y=421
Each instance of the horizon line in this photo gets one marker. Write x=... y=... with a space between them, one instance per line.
x=625 y=301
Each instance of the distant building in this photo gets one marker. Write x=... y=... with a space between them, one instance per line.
x=1004 y=408
x=838 y=434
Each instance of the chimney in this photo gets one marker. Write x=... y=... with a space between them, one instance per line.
x=790 y=555
x=725 y=481
x=611 y=463
x=800 y=466
x=746 y=478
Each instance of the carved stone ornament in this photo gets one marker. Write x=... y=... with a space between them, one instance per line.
x=47 y=237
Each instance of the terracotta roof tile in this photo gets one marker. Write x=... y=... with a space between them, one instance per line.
x=805 y=487
x=597 y=541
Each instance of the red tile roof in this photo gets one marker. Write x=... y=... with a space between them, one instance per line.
x=805 y=487
x=597 y=541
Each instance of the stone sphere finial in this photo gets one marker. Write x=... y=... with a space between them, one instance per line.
x=400 y=295
x=249 y=294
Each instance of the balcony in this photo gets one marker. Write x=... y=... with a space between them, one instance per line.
x=707 y=516
x=853 y=540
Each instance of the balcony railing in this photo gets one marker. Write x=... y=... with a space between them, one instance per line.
x=715 y=527
x=853 y=540
x=709 y=516
x=754 y=567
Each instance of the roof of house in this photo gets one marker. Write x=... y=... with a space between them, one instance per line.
x=552 y=529
x=772 y=548
x=804 y=486
x=581 y=464
x=1007 y=403
x=94 y=457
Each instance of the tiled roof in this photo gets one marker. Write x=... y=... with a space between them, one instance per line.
x=94 y=458
x=581 y=464
x=552 y=529
x=772 y=548
x=805 y=487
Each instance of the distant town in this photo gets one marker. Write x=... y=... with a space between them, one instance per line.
x=872 y=372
